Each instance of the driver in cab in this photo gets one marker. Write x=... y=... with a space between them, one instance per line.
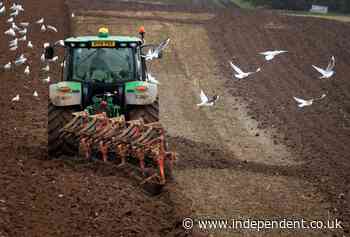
x=99 y=69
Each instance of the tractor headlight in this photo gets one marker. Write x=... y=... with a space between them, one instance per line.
x=133 y=45
x=64 y=89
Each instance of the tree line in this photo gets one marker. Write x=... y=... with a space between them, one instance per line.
x=333 y=5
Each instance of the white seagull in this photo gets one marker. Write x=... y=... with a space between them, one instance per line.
x=24 y=24
x=30 y=45
x=328 y=72
x=13 y=7
x=47 y=79
x=10 y=32
x=155 y=53
x=269 y=55
x=2 y=10
x=16 y=98
x=16 y=7
x=45 y=45
x=42 y=58
x=13 y=43
x=21 y=60
x=20 y=8
x=43 y=28
x=14 y=48
x=60 y=43
x=240 y=74
x=303 y=103
x=15 y=27
x=23 y=32
x=47 y=68
x=15 y=13
x=205 y=101
x=24 y=38
x=54 y=59
x=27 y=71
x=7 y=66
x=40 y=21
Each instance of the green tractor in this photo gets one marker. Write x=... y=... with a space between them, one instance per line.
x=101 y=73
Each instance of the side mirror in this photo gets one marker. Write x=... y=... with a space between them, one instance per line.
x=142 y=33
x=49 y=52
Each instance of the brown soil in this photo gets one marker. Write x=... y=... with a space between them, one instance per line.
x=319 y=134
x=254 y=155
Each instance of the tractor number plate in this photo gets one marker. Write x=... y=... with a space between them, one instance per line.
x=103 y=44
x=141 y=97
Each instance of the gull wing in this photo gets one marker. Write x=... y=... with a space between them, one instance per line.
x=321 y=97
x=149 y=55
x=16 y=98
x=281 y=51
x=299 y=100
x=203 y=97
x=274 y=53
x=320 y=70
x=331 y=64
x=40 y=21
x=160 y=48
x=237 y=69
x=164 y=44
x=52 y=28
x=265 y=53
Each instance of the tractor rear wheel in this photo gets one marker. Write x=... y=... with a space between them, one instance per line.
x=57 y=118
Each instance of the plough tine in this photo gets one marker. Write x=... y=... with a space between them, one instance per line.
x=71 y=123
x=149 y=178
x=90 y=126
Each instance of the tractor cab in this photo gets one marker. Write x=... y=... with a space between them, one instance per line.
x=103 y=69
x=103 y=59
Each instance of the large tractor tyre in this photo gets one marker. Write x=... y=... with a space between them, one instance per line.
x=149 y=113
x=57 y=118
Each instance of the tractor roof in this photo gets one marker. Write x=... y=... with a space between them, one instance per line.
x=85 y=39
x=103 y=39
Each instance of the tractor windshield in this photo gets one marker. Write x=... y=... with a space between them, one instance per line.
x=107 y=65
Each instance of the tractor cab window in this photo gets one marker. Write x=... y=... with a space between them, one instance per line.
x=106 y=65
